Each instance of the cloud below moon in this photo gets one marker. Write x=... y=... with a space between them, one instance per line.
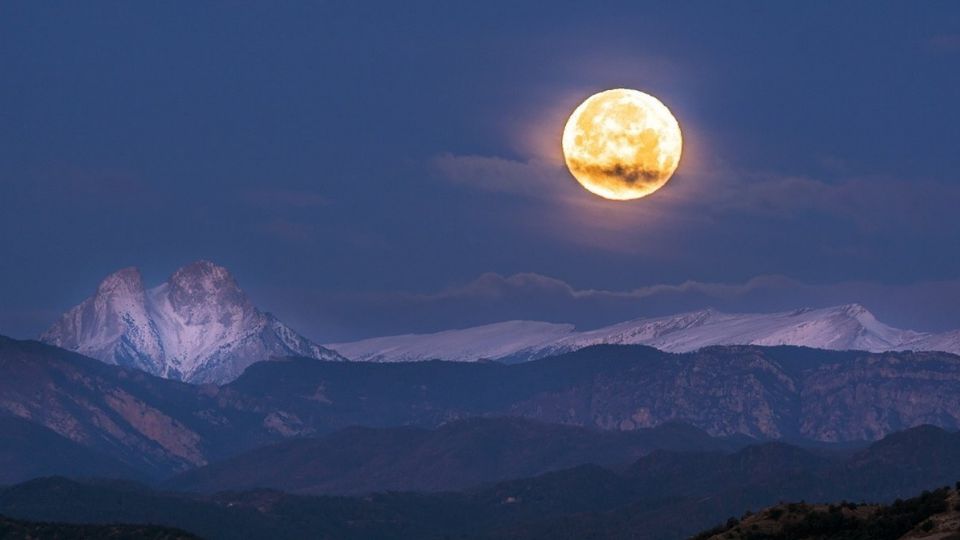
x=492 y=297
x=867 y=202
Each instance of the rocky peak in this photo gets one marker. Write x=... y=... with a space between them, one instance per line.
x=114 y=321
x=120 y=300
x=125 y=281
x=203 y=277
x=199 y=326
x=202 y=292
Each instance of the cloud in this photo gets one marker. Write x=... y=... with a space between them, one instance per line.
x=493 y=286
x=493 y=297
x=557 y=207
x=533 y=178
x=871 y=203
x=702 y=198
x=944 y=43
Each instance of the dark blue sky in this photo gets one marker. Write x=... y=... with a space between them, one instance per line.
x=369 y=168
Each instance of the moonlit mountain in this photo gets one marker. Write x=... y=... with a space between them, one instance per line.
x=847 y=327
x=491 y=342
x=199 y=326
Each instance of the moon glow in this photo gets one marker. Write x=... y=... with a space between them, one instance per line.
x=622 y=144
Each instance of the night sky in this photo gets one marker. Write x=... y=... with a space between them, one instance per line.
x=367 y=169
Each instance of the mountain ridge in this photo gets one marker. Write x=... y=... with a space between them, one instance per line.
x=844 y=327
x=160 y=426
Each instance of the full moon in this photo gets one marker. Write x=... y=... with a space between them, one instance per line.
x=622 y=144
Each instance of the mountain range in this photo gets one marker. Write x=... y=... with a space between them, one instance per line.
x=156 y=427
x=663 y=495
x=198 y=326
x=847 y=327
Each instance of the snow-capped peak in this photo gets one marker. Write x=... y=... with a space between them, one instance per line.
x=198 y=326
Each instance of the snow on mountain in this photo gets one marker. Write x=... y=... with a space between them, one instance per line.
x=946 y=341
x=491 y=341
x=199 y=326
x=839 y=328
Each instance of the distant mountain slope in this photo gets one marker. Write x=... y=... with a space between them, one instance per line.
x=667 y=495
x=197 y=327
x=901 y=463
x=149 y=424
x=848 y=327
x=905 y=461
x=29 y=450
x=664 y=496
x=454 y=456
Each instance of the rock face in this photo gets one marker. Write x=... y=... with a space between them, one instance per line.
x=199 y=326
x=778 y=393
x=767 y=392
x=847 y=327
x=146 y=423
